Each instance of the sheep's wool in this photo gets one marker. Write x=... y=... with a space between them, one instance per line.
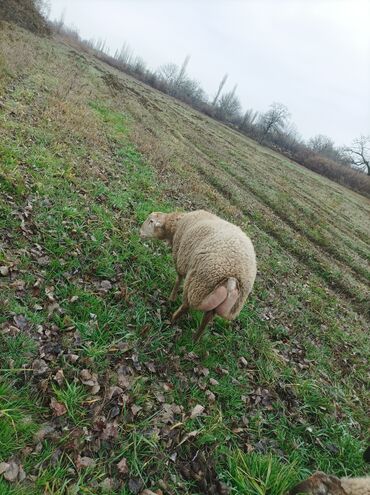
x=207 y=251
x=356 y=486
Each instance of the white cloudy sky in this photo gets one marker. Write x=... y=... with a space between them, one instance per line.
x=311 y=55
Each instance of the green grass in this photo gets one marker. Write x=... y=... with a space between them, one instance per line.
x=79 y=172
x=260 y=474
x=73 y=397
x=17 y=424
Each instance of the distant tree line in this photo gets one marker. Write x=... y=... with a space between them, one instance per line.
x=347 y=165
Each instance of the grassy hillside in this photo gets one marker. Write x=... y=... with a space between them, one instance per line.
x=97 y=389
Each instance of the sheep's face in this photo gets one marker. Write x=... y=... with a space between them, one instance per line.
x=319 y=484
x=154 y=226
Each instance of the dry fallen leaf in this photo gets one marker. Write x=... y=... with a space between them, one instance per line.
x=52 y=308
x=43 y=260
x=59 y=377
x=135 y=485
x=105 y=285
x=72 y=358
x=58 y=408
x=39 y=367
x=210 y=396
x=135 y=409
x=122 y=466
x=200 y=370
x=84 y=462
x=49 y=292
x=4 y=467
x=192 y=434
x=21 y=474
x=123 y=399
x=10 y=330
x=113 y=391
x=18 y=285
x=43 y=432
x=243 y=361
x=4 y=271
x=21 y=322
x=150 y=366
x=91 y=380
x=150 y=492
x=196 y=411
x=10 y=470
x=160 y=397
x=124 y=381
x=107 y=485
x=110 y=431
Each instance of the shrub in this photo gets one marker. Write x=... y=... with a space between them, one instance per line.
x=25 y=13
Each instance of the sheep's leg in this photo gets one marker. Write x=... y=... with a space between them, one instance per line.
x=175 y=288
x=207 y=318
x=182 y=309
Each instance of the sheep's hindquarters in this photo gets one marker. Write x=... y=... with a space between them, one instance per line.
x=222 y=299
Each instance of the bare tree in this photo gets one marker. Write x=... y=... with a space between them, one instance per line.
x=139 y=65
x=288 y=140
x=359 y=154
x=192 y=90
x=326 y=147
x=248 y=120
x=321 y=144
x=229 y=106
x=181 y=76
x=178 y=84
x=274 y=120
x=99 y=45
x=221 y=85
x=124 y=55
x=168 y=73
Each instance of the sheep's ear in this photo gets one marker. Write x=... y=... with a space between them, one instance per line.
x=157 y=223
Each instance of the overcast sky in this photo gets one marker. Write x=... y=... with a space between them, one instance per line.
x=311 y=55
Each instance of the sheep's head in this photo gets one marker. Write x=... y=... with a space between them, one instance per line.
x=154 y=226
x=319 y=484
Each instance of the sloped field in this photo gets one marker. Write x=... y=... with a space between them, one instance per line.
x=98 y=392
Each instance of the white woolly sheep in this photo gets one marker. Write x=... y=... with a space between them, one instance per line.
x=322 y=484
x=214 y=256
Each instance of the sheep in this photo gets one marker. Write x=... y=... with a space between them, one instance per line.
x=214 y=257
x=322 y=484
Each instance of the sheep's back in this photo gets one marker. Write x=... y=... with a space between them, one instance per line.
x=356 y=486
x=190 y=231
x=213 y=250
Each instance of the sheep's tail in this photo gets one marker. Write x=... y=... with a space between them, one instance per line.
x=223 y=299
